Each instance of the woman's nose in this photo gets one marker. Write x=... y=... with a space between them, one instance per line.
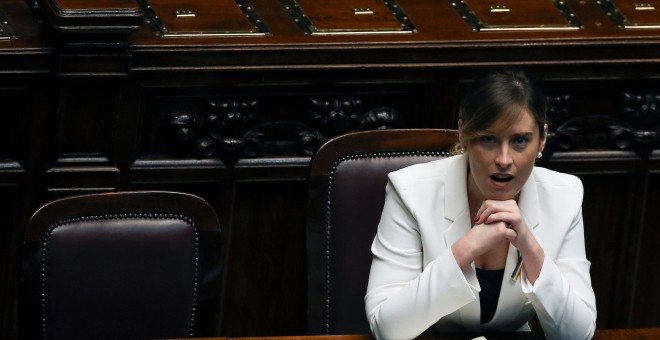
x=503 y=158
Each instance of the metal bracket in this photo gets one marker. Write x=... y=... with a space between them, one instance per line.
x=363 y=11
x=644 y=7
x=184 y=13
x=498 y=8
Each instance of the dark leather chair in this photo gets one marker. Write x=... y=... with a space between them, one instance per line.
x=348 y=176
x=121 y=265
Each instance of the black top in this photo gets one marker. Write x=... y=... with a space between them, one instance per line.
x=491 y=283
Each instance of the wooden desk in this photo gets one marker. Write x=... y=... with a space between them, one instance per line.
x=601 y=334
x=637 y=333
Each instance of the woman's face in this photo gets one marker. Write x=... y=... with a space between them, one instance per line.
x=502 y=158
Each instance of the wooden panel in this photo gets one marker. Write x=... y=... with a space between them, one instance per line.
x=267 y=256
x=342 y=15
x=21 y=136
x=646 y=303
x=17 y=106
x=9 y=268
x=25 y=61
x=630 y=14
x=606 y=240
x=339 y=17
x=512 y=13
x=228 y=123
x=195 y=16
x=174 y=18
x=84 y=17
x=108 y=6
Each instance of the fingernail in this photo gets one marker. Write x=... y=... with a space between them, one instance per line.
x=476 y=219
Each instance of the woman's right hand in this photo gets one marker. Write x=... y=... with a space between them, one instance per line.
x=479 y=240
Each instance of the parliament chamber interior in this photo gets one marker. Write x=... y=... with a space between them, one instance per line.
x=229 y=100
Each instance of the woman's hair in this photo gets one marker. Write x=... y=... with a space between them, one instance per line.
x=498 y=97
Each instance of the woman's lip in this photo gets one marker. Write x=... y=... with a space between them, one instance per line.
x=507 y=177
x=501 y=184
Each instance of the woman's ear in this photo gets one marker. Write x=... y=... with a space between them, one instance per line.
x=544 y=138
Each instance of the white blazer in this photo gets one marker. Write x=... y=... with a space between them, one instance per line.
x=415 y=282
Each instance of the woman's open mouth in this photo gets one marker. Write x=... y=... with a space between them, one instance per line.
x=499 y=178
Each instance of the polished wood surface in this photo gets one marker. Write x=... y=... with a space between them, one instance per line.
x=601 y=334
x=621 y=334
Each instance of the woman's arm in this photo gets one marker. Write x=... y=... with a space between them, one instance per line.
x=404 y=298
x=559 y=286
x=562 y=295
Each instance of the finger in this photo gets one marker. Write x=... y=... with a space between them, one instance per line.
x=502 y=216
x=506 y=232
x=491 y=207
x=509 y=205
x=510 y=235
x=484 y=212
x=478 y=218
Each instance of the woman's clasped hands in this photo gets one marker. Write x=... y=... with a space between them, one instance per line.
x=496 y=216
x=505 y=218
x=499 y=222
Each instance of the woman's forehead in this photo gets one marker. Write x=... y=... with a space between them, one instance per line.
x=518 y=120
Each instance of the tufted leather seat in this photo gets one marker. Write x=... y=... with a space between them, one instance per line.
x=142 y=264
x=347 y=182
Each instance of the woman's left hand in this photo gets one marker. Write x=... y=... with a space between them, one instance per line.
x=507 y=211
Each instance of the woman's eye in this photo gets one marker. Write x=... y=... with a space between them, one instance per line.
x=520 y=141
x=487 y=139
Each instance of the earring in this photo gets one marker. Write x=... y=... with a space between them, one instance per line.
x=539 y=155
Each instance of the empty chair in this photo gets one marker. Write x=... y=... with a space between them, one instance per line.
x=121 y=265
x=347 y=182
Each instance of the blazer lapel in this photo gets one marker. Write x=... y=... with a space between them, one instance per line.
x=528 y=202
x=457 y=214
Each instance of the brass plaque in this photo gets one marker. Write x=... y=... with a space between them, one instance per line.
x=193 y=18
x=631 y=14
x=336 y=17
x=516 y=15
x=6 y=32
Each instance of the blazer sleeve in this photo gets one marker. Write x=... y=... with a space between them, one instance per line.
x=403 y=297
x=562 y=295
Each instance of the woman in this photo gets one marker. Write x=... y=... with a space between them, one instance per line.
x=482 y=241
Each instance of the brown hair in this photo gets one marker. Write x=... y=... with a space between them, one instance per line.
x=498 y=97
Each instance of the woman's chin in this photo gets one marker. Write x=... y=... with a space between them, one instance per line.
x=501 y=196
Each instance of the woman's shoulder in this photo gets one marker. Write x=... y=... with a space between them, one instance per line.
x=424 y=170
x=558 y=180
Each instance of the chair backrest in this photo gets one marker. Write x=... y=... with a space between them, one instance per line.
x=121 y=265
x=347 y=182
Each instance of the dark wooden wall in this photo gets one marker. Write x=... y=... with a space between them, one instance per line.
x=111 y=104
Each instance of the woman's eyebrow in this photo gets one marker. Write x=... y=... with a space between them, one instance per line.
x=524 y=134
